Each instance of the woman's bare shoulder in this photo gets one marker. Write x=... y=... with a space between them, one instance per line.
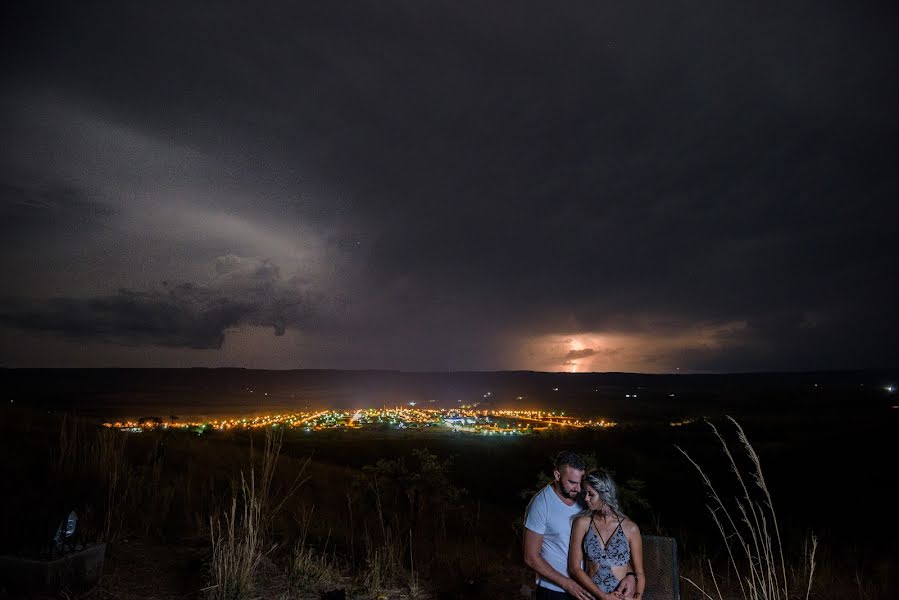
x=580 y=520
x=629 y=527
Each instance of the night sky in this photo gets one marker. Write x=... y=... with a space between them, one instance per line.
x=644 y=186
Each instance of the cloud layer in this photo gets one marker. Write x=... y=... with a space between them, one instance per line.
x=442 y=186
x=186 y=315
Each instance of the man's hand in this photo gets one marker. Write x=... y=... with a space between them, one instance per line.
x=576 y=591
x=627 y=586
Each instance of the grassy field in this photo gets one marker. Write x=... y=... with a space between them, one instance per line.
x=409 y=514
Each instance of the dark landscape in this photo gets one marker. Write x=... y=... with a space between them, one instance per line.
x=815 y=434
x=302 y=300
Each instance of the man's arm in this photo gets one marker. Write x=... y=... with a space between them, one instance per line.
x=533 y=542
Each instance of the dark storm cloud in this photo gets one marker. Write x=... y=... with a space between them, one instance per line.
x=499 y=172
x=575 y=354
x=183 y=315
x=20 y=202
x=45 y=213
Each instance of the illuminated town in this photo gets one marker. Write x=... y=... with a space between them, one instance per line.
x=461 y=420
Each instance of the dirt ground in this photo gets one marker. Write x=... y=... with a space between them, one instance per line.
x=139 y=570
x=135 y=570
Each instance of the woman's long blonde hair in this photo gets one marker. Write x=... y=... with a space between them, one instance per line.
x=607 y=489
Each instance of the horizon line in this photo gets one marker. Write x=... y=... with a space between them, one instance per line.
x=461 y=371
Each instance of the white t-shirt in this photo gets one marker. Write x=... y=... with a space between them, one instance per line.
x=550 y=517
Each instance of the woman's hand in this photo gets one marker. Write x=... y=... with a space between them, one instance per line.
x=627 y=586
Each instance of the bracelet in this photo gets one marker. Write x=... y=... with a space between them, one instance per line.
x=631 y=573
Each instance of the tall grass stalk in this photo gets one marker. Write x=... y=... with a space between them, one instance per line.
x=68 y=444
x=349 y=504
x=237 y=545
x=384 y=560
x=752 y=538
x=108 y=460
x=811 y=565
x=310 y=569
x=416 y=589
x=239 y=536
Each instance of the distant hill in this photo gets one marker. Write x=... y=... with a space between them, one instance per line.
x=128 y=392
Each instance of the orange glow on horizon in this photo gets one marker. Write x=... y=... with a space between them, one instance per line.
x=641 y=352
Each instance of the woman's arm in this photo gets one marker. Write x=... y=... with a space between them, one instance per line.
x=632 y=532
x=576 y=557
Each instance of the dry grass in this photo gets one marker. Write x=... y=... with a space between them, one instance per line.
x=237 y=546
x=312 y=570
x=239 y=537
x=92 y=470
x=748 y=525
x=158 y=489
x=108 y=459
x=384 y=557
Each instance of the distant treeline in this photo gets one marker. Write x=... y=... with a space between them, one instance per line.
x=128 y=392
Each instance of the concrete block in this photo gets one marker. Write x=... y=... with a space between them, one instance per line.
x=77 y=571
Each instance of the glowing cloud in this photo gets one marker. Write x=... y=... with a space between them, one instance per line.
x=645 y=351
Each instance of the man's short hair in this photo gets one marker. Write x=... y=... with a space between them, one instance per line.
x=568 y=458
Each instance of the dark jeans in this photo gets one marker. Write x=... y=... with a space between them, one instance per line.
x=545 y=594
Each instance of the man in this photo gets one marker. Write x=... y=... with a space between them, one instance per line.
x=547 y=532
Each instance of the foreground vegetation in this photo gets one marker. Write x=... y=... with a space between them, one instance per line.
x=276 y=515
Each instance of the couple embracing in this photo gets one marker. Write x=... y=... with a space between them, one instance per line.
x=580 y=544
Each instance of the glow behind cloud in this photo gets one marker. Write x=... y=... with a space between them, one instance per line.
x=662 y=352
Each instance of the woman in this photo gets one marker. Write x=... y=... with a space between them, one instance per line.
x=606 y=541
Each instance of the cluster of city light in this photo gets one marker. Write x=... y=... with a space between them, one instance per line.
x=285 y=420
x=469 y=419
